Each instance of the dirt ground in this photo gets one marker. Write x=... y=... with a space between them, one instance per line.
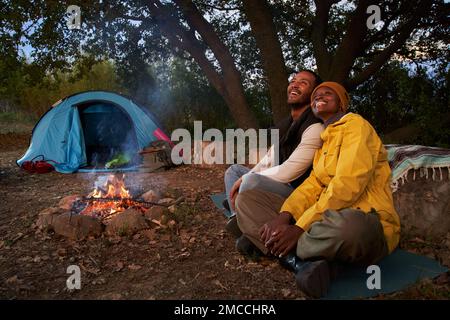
x=194 y=260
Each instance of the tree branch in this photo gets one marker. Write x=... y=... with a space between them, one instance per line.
x=198 y=22
x=403 y=34
x=211 y=6
x=233 y=92
x=352 y=44
x=318 y=36
x=128 y=17
x=185 y=40
x=228 y=83
x=384 y=33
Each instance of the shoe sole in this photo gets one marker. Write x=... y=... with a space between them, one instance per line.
x=315 y=280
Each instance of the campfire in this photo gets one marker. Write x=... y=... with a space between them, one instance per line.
x=109 y=198
x=112 y=209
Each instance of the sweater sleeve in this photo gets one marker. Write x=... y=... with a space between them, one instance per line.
x=264 y=163
x=354 y=169
x=300 y=160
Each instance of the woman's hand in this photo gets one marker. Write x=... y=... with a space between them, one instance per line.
x=234 y=192
x=271 y=228
x=284 y=240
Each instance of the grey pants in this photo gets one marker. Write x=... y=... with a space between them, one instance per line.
x=348 y=235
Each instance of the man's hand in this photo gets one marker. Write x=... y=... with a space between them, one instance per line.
x=270 y=228
x=284 y=240
x=234 y=192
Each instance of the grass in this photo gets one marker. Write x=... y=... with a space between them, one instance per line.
x=173 y=193
x=185 y=213
x=16 y=122
x=17 y=117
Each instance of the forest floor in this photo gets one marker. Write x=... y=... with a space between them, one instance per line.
x=195 y=260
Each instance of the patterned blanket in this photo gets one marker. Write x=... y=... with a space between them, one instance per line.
x=403 y=158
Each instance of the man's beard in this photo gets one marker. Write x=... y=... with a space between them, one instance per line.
x=298 y=105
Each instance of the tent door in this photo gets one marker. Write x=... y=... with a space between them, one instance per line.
x=108 y=131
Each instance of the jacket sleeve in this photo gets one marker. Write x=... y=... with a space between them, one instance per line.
x=300 y=159
x=304 y=196
x=354 y=169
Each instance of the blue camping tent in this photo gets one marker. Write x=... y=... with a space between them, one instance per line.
x=89 y=128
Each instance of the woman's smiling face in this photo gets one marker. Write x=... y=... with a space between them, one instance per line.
x=325 y=103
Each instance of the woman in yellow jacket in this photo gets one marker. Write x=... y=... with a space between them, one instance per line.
x=342 y=212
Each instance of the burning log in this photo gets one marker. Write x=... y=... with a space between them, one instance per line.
x=111 y=207
x=126 y=201
x=111 y=197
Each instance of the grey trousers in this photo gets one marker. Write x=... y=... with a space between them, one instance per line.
x=348 y=235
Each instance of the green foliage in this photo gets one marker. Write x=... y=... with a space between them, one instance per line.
x=186 y=213
x=259 y=100
x=181 y=95
x=120 y=48
x=17 y=117
x=406 y=106
x=37 y=98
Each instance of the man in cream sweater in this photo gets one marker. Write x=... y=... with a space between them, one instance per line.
x=299 y=139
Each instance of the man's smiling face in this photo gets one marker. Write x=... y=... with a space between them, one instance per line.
x=300 y=88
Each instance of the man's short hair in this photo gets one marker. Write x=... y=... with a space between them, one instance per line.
x=317 y=78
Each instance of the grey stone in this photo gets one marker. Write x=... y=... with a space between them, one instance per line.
x=151 y=196
x=424 y=205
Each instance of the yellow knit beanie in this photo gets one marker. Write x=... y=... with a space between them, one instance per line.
x=340 y=91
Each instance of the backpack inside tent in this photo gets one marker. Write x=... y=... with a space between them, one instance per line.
x=89 y=130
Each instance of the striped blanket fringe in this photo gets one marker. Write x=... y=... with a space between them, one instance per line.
x=419 y=159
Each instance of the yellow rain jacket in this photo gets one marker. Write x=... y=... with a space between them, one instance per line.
x=349 y=171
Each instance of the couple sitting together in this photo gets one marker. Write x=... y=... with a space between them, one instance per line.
x=329 y=202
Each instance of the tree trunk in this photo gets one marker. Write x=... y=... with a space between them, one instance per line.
x=261 y=21
x=318 y=36
x=228 y=83
x=351 y=46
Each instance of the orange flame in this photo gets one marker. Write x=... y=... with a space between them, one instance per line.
x=114 y=188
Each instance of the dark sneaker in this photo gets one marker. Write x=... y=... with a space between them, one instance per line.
x=291 y=262
x=247 y=248
x=314 y=278
x=226 y=205
x=233 y=228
